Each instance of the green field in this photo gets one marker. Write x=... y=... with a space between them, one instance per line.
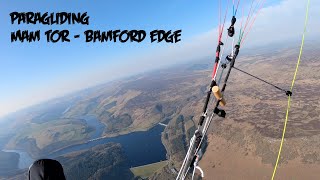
x=147 y=170
x=63 y=131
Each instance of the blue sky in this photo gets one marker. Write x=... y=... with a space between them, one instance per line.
x=33 y=72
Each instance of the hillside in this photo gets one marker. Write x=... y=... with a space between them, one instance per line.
x=40 y=139
x=100 y=162
x=248 y=137
x=142 y=102
x=244 y=145
x=133 y=104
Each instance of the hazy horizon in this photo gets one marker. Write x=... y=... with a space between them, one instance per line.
x=31 y=77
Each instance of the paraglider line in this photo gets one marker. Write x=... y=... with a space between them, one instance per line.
x=277 y=87
x=254 y=19
x=292 y=84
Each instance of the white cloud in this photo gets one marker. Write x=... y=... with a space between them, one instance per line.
x=285 y=22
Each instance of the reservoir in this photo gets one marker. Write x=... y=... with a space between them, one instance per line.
x=141 y=148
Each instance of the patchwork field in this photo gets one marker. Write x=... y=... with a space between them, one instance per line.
x=147 y=170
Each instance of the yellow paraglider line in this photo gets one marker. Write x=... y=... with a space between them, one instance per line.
x=289 y=97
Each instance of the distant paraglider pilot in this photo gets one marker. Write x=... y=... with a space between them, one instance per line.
x=46 y=169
